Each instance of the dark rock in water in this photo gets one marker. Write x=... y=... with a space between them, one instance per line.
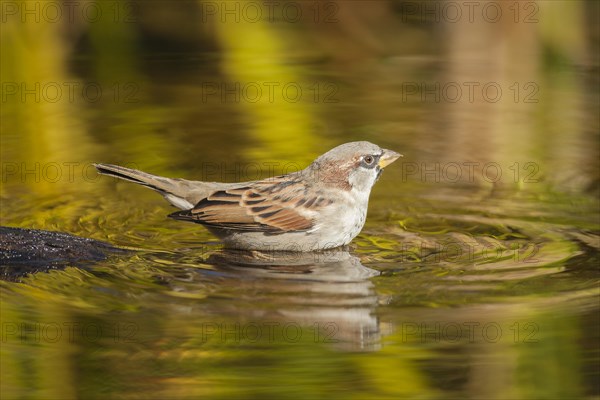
x=24 y=251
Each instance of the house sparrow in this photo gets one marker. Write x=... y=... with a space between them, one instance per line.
x=321 y=207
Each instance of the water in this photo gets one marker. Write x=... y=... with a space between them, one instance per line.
x=476 y=275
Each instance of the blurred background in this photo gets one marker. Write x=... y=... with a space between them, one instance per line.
x=475 y=276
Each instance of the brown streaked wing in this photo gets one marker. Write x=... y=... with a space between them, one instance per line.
x=265 y=206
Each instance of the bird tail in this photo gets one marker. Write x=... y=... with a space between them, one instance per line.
x=174 y=190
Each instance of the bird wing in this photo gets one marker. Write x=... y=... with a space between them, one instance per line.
x=272 y=206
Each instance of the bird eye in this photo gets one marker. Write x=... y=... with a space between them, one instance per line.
x=369 y=160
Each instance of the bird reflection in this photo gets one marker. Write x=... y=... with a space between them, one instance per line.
x=327 y=290
x=324 y=266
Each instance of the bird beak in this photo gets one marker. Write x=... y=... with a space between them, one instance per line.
x=388 y=157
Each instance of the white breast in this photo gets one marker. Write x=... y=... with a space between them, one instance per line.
x=344 y=220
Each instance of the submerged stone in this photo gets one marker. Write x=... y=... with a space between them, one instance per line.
x=24 y=251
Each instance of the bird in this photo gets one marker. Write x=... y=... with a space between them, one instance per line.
x=323 y=206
